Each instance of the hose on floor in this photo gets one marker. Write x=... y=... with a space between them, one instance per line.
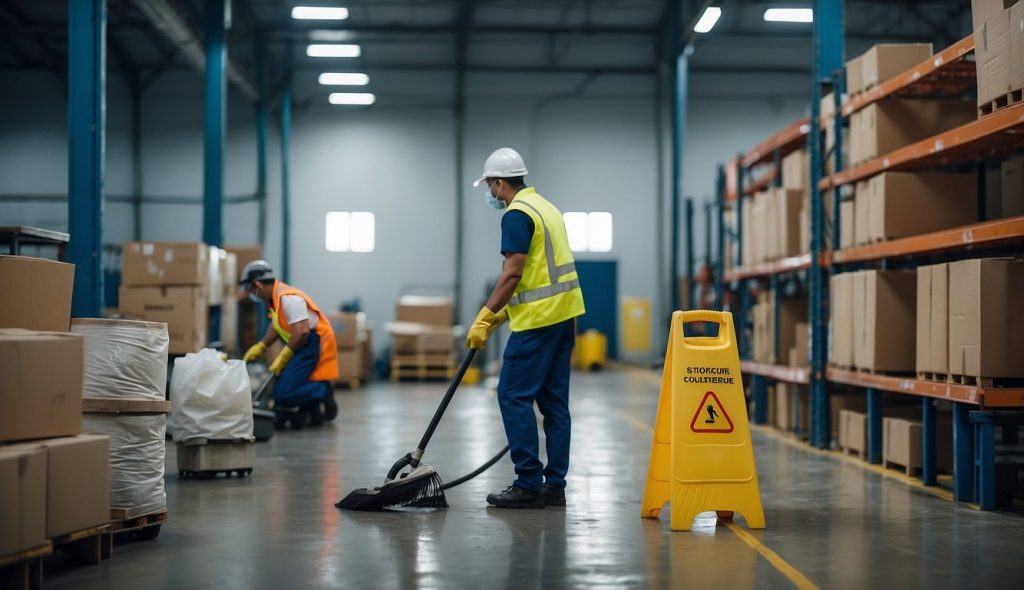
x=478 y=471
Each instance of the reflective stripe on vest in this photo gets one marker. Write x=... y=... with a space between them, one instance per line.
x=555 y=272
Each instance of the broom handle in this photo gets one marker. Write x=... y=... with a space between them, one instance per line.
x=418 y=453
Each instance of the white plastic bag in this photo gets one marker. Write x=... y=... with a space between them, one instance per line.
x=123 y=359
x=137 y=450
x=211 y=399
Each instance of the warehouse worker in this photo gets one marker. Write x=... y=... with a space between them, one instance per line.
x=539 y=294
x=309 y=361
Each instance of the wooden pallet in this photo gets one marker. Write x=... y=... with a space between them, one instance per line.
x=983 y=382
x=24 y=569
x=350 y=383
x=850 y=451
x=202 y=458
x=1001 y=102
x=87 y=547
x=422 y=366
x=910 y=471
x=145 y=526
x=929 y=376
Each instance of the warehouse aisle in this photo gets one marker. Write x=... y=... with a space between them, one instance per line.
x=831 y=523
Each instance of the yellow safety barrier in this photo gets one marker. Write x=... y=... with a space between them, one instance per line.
x=702 y=458
x=591 y=350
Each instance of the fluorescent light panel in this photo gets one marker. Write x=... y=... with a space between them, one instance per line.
x=340 y=79
x=352 y=98
x=319 y=13
x=708 y=20
x=332 y=50
x=789 y=15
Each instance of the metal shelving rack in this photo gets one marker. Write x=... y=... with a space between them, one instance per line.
x=975 y=409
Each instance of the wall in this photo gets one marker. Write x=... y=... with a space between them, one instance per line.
x=591 y=144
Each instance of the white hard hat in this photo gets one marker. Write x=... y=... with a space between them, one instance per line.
x=503 y=163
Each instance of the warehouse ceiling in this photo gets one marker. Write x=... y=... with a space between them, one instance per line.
x=148 y=37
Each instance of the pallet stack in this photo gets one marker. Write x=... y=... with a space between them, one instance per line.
x=999 y=50
x=351 y=337
x=423 y=338
x=169 y=282
x=227 y=286
x=53 y=484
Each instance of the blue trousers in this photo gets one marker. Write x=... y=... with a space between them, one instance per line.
x=536 y=370
x=293 y=386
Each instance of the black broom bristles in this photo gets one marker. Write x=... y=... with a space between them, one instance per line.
x=421 y=492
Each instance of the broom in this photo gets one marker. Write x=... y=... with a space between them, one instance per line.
x=420 y=487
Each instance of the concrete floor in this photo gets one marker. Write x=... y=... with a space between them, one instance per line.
x=833 y=524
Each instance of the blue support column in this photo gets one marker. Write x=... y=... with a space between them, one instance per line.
x=984 y=460
x=828 y=36
x=87 y=39
x=720 y=266
x=874 y=426
x=261 y=145
x=679 y=90
x=759 y=385
x=928 y=459
x=286 y=137
x=214 y=121
x=690 y=264
x=963 y=460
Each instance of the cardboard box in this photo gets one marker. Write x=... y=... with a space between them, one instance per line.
x=791 y=313
x=854 y=76
x=986 y=327
x=992 y=56
x=345 y=330
x=981 y=10
x=805 y=228
x=1017 y=46
x=215 y=280
x=901 y=204
x=183 y=309
x=366 y=348
x=22 y=499
x=350 y=364
x=861 y=208
x=435 y=311
x=796 y=171
x=901 y=443
x=244 y=254
x=36 y=400
x=838 y=403
x=841 y=320
x=229 y=324
x=37 y=295
x=413 y=338
x=853 y=431
x=847 y=224
x=165 y=263
x=932 y=319
x=884 y=319
x=787 y=211
x=229 y=274
x=887 y=60
x=896 y=123
x=802 y=337
x=1012 y=186
x=786 y=395
x=77 y=489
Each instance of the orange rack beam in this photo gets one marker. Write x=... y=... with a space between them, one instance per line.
x=761 y=184
x=998 y=133
x=945 y=72
x=988 y=397
x=987 y=233
x=788 y=140
x=777 y=372
x=791 y=264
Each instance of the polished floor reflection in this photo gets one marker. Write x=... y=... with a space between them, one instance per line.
x=838 y=525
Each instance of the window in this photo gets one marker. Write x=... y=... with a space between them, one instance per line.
x=589 y=232
x=350 y=232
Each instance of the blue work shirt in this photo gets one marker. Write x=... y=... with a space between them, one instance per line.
x=516 y=232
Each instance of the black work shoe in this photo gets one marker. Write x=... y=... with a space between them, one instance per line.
x=330 y=408
x=553 y=495
x=316 y=417
x=516 y=497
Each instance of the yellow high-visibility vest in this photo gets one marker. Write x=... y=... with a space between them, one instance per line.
x=549 y=291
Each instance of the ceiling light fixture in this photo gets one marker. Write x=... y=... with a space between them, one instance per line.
x=352 y=98
x=319 y=13
x=708 y=19
x=338 y=50
x=339 y=79
x=789 y=15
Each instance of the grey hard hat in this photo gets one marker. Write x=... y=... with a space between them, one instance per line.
x=257 y=270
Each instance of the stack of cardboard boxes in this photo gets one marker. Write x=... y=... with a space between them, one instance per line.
x=54 y=479
x=247 y=320
x=999 y=52
x=771 y=226
x=793 y=331
x=872 y=321
x=352 y=338
x=422 y=337
x=169 y=282
x=227 y=276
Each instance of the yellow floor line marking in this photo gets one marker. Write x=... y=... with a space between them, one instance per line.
x=799 y=580
x=769 y=431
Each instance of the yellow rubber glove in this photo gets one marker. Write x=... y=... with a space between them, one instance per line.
x=499 y=318
x=255 y=352
x=484 y=325
x=281 y=361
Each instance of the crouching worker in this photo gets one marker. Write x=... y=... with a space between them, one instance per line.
x=309 y=361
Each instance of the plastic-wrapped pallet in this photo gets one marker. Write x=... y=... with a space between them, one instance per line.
x=137 y=450
x=123 y=359
x=211 y=398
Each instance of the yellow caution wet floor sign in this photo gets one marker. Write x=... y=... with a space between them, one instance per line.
x=702 y=458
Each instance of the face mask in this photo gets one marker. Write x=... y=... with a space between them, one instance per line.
x=494 y=201
x=254 y=298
